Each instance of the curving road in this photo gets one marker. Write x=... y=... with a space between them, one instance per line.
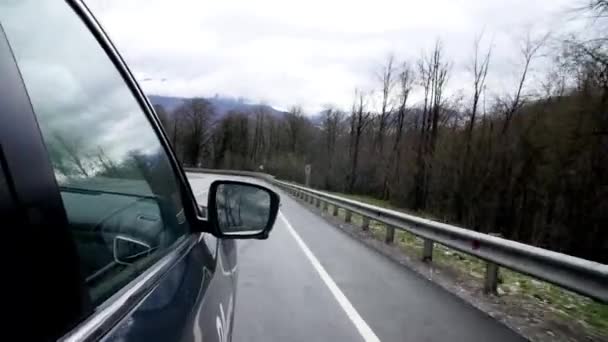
x=311 y=282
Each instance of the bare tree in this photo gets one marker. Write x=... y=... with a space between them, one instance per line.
x=387 y=79
x=597 y=9
x=258 y=146
x=510 y=106
x=170 y=123
x=529 y=50
x=359 y=120
x=231 y=144
x=433 y=71
x=198 y=114
x=479 y=70
x=405 y=82
x=162 y=116
x=295 y=122
x=438 y=69
x=330 y=127
x=591 y=57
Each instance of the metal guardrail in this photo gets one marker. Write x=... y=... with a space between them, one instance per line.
x=261 y=175
x=579 y=275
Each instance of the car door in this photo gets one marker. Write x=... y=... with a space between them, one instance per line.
x=108 y=193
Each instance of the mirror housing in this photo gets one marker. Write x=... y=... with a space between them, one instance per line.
x=240 y=210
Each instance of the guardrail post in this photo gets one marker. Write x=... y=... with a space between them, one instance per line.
x=347 y=215
x=318 y=203
x=427 y=250
x=324 y=206
x=390 y=234
x=491 y=281
x=334 y=211
x=364 y=222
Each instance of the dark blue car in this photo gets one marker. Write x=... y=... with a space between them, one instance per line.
x=109 y=242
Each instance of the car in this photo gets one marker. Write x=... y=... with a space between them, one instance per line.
x=103 y=235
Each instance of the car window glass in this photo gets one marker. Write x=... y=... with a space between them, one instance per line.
x=121 y=197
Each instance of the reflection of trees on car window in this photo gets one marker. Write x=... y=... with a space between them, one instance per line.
x=75 y=166
x=92 y=125
x=116 y=182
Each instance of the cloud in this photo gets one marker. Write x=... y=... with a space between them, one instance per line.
x=306 y=52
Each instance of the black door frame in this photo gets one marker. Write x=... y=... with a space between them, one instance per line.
x=46 y=281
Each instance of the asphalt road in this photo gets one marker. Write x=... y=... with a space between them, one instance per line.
x=311 y=282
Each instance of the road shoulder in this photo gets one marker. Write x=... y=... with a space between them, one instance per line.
x=519 y=314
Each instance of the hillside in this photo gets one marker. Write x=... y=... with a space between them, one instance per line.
x=222 y=105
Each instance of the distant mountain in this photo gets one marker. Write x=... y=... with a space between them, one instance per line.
x=167 y=102
x=222 y=105
x=316 y=119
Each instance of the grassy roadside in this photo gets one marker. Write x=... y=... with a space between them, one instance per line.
x=563 y=304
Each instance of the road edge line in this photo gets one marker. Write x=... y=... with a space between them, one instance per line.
x=364 y=330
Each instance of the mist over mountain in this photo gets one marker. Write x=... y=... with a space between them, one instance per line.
x=222 y=105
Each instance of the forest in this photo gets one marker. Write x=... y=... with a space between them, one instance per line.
x=530 y=162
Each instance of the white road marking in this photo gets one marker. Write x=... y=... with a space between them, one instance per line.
x=364 y=330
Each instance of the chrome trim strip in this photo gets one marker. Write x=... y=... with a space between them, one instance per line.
x=120 y=304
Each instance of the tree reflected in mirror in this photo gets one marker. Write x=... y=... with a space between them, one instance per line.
x=242 y=208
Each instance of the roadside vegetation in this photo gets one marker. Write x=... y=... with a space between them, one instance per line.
x=569 y=306
x=527 y=160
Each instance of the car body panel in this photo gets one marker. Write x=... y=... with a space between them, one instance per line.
x=193 y=302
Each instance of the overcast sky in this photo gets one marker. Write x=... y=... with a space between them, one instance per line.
x=311 y=52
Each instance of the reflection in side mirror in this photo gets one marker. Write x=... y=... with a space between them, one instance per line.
x=202 y=211
x=242 y=210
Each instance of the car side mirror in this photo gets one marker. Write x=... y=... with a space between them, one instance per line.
x=239 y=210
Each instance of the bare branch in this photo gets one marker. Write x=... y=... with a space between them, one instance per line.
x=529 y=50
x=388 y=83
x=481 y=65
